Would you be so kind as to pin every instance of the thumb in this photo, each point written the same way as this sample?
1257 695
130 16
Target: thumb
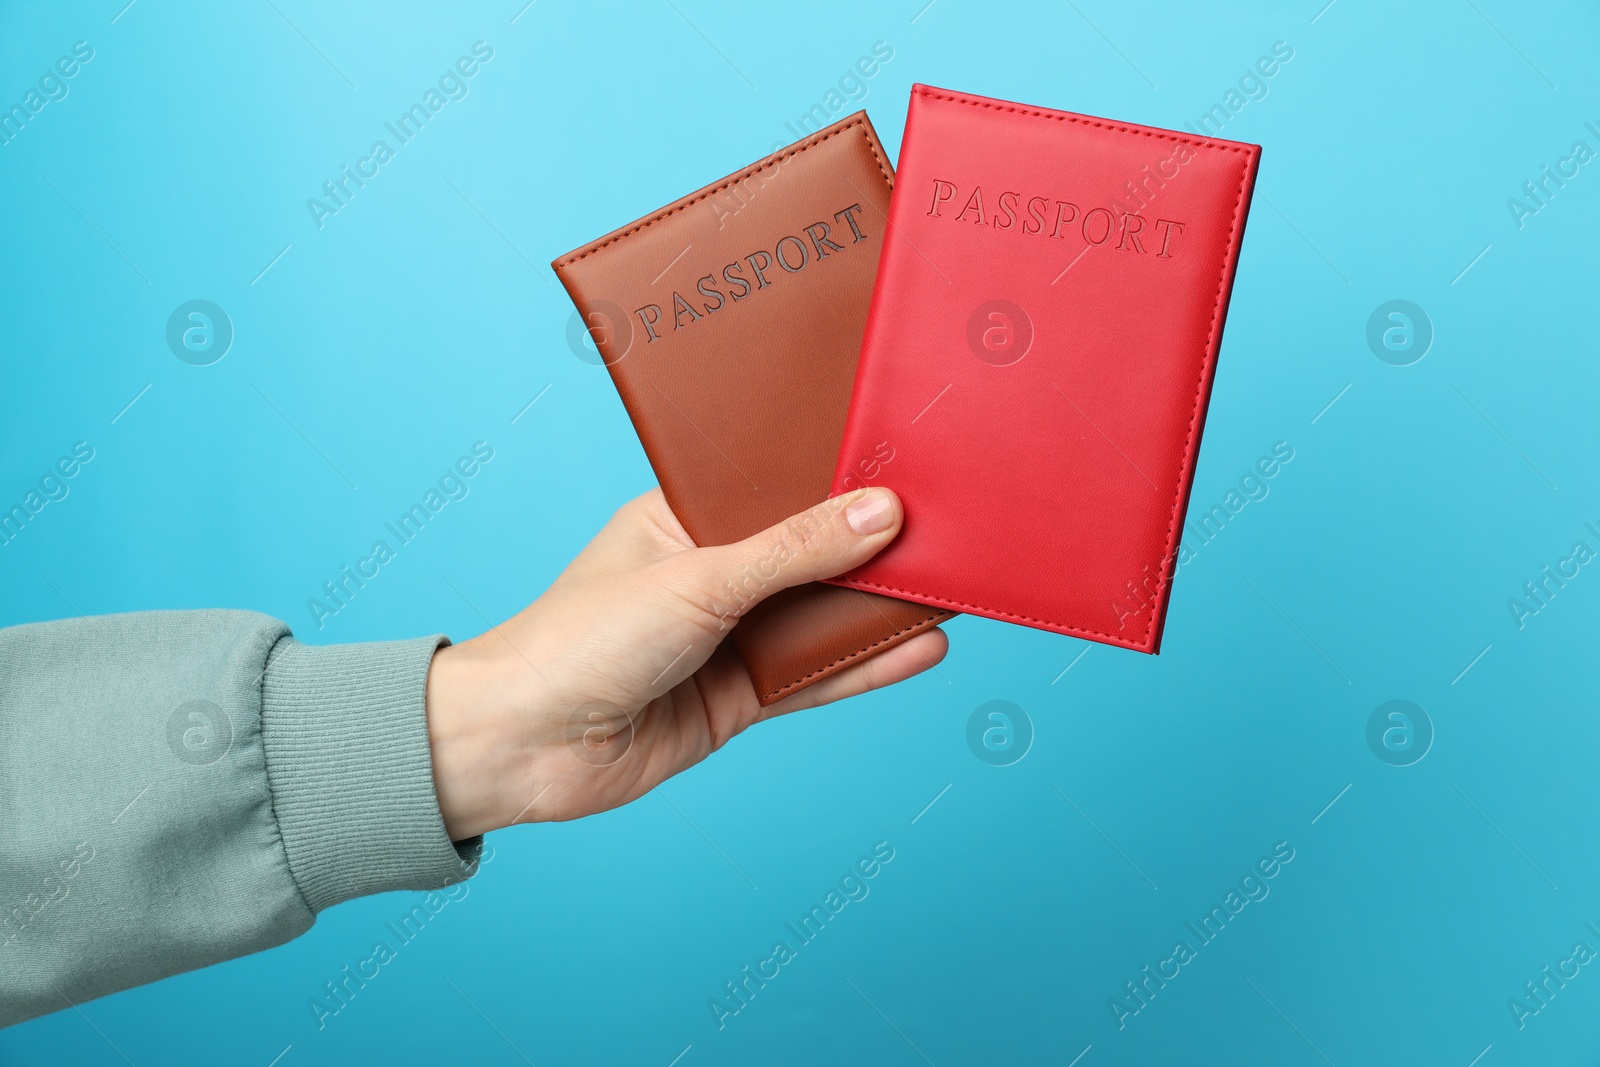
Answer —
835 536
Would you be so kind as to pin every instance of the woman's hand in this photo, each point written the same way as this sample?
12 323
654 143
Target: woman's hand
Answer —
618 677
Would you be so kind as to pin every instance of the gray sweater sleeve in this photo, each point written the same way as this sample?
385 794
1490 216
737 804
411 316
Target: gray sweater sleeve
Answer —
179 788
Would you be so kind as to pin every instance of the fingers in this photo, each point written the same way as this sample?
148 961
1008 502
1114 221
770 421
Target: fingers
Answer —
833 537
920 653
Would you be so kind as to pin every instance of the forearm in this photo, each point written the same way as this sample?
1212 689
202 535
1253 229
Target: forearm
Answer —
180 788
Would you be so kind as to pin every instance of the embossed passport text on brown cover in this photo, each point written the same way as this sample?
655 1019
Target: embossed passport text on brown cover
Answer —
731 322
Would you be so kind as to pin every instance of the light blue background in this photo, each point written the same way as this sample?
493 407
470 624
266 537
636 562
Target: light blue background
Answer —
423 317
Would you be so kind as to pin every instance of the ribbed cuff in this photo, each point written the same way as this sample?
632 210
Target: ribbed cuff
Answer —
346 736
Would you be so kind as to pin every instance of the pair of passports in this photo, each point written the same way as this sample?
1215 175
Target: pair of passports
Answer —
1017 333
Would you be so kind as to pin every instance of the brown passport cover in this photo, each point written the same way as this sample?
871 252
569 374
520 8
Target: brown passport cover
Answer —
731 322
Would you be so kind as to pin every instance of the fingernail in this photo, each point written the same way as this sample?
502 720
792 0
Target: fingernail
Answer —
870 514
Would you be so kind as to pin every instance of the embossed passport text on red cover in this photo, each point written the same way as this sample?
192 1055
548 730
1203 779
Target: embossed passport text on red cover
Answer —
1038 359
731 323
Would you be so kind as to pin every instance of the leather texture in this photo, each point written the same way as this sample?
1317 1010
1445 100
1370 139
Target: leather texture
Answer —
1038 360
731 322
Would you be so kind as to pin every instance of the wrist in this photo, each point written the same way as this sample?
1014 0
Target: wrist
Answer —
474 742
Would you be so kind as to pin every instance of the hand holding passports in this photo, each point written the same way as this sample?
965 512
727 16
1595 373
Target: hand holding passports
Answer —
731 322
1036 315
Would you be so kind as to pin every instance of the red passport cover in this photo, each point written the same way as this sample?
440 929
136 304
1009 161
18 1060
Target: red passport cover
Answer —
1038 358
